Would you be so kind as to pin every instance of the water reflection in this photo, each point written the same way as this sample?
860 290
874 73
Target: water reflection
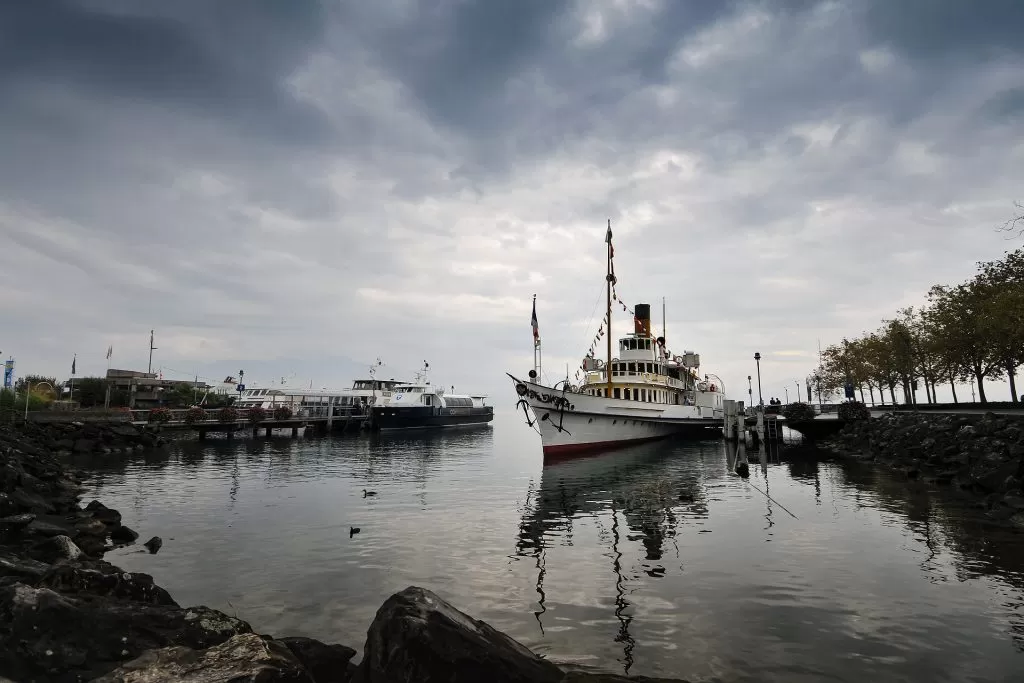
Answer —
659 560
646 498
613 490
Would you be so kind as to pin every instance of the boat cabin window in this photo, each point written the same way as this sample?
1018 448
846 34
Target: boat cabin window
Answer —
618 393
426 400
632 368
458 402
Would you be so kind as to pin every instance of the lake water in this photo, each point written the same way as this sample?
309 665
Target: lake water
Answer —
656 560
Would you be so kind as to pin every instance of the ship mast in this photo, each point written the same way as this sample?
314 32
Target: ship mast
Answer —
610 278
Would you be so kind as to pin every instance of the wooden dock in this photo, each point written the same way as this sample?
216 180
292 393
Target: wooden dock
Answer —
765 426
213 421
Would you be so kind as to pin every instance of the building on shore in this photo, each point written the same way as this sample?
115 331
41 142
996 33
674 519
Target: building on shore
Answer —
150 390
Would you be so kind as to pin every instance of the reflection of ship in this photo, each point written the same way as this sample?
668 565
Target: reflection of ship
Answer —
631 488
642 394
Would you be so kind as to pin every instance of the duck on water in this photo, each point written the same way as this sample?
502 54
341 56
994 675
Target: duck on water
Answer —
419 405
642 394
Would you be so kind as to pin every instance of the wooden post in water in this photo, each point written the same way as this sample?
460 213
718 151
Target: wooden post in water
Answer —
726 421
295 432
741 422
268 431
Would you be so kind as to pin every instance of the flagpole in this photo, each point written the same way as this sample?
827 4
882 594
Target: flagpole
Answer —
71 398
608 278
106 395
538 353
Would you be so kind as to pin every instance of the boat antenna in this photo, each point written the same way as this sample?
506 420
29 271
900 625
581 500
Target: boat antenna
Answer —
664 330
610 279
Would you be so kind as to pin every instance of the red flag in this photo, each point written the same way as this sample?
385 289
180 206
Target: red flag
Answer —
533 322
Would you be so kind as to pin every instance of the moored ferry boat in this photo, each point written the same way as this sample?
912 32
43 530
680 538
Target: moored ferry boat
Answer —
641 394
419 405
358 399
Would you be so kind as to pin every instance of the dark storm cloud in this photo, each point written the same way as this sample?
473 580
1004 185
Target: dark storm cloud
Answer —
934 31
224 60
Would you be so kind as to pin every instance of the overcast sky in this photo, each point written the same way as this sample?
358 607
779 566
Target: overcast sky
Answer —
300 187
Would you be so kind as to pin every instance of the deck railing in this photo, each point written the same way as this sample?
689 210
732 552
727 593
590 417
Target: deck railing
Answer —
212 416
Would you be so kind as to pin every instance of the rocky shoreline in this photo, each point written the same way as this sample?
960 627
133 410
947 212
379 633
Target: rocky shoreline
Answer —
67 615
979 456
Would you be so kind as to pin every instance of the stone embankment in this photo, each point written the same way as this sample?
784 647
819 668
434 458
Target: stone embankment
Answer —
68 615
979 455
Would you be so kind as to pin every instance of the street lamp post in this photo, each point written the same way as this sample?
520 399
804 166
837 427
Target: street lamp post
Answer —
760 398
750 391
797 389
787 395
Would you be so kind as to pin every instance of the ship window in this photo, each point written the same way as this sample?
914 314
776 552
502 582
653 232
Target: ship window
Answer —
632 368
643 395
618 393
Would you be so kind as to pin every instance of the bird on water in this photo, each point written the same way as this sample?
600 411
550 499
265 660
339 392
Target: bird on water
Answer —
368 493
352 531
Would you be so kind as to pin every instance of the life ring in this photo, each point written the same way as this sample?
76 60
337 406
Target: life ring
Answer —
712 388
678 360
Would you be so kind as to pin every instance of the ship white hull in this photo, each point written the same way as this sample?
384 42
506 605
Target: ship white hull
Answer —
572 423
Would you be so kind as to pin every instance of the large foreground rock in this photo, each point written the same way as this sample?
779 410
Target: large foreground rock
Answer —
46 635
583 677
417 636
325 663
245 658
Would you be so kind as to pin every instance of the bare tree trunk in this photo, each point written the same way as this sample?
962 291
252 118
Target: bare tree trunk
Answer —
861 387
952 383
871 392
892 394
981 383
1010 369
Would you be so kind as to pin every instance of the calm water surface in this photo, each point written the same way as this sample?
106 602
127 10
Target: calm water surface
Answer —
656 560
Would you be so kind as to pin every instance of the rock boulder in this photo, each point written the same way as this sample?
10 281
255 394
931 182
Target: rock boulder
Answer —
245 658
325 663
44 633
417 636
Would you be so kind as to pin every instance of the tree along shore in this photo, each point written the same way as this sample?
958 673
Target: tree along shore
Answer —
970 332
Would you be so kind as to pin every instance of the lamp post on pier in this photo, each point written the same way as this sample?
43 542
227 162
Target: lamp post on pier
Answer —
760 398
787 395
750 392
797 383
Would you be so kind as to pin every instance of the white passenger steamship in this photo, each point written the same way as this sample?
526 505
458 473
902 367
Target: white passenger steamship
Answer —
641 394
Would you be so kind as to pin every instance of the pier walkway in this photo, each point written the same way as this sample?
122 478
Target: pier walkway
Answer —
184 419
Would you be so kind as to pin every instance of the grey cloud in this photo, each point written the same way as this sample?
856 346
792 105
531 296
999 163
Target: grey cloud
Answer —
282 180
